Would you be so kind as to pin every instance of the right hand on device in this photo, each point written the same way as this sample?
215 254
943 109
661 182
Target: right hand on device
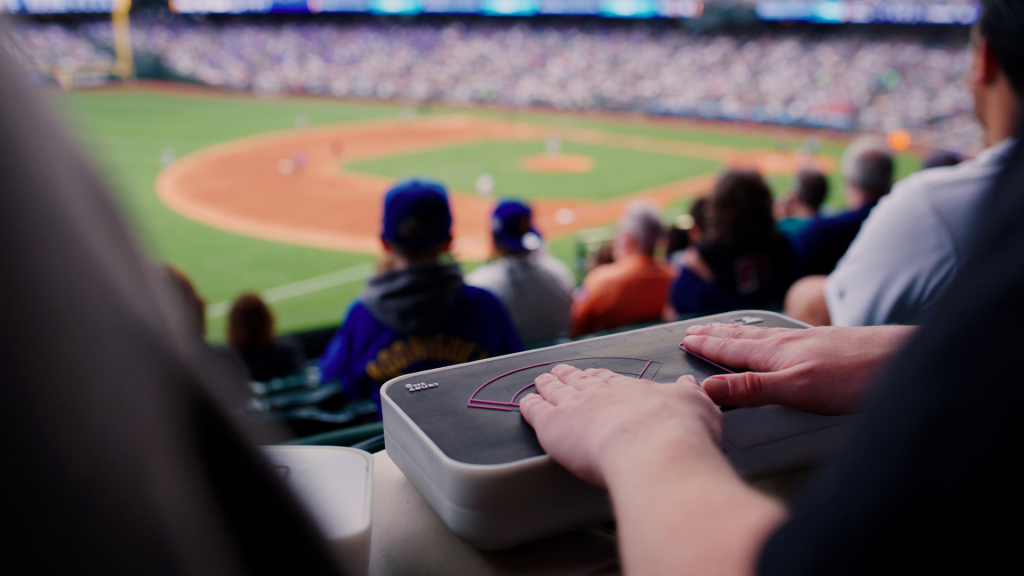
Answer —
821 370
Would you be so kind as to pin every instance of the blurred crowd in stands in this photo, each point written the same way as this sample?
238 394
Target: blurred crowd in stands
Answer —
52 49
869 2
874 80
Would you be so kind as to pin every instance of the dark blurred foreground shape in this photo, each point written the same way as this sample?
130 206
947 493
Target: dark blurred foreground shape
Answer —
927 482
117 456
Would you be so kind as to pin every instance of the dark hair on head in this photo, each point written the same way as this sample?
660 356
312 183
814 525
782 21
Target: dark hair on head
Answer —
941 159
741 211
699 212
1002 26
676 239
418 250
250 324
873 172
811 188
189 297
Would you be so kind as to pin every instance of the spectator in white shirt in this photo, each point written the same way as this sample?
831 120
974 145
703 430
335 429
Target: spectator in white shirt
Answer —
535 287
915 241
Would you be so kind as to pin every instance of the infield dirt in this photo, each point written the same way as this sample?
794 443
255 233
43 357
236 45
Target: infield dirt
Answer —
292 187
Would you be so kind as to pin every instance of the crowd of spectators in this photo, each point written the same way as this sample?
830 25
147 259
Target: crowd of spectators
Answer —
844 78
55 50
866 2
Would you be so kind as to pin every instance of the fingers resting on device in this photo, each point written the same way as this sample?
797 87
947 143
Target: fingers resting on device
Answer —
591 421
823 370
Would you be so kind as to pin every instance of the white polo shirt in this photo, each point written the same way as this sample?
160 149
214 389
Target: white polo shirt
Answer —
912 245
536 289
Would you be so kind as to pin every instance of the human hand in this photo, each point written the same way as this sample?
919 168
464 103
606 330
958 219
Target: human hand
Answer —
821 370
596 422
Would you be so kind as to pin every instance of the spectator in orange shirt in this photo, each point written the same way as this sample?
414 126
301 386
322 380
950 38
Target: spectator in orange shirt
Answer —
633 288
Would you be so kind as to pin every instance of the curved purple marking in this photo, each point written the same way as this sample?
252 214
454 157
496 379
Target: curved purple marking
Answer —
475 401
488 407
641 376
713 363
521 390
484 385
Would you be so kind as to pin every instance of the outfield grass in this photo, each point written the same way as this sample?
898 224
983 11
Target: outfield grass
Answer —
617 171
126 132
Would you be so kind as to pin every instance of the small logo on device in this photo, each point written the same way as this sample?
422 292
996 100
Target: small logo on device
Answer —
748 320
420 386
744 321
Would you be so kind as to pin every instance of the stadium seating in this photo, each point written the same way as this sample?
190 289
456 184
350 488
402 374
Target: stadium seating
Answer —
843 78
52 50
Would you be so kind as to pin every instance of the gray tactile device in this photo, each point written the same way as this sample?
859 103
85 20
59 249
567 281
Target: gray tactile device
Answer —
457 434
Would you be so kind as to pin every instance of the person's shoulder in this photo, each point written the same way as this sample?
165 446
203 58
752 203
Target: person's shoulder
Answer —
910 196
480 305
600 275
793 225
950 194
607 273
359 317
487 276
556 268
476 296
822 224
972 176
357 307
549 261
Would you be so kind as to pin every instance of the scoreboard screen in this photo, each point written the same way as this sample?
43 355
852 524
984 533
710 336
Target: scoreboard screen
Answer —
941 12
606 8
57 6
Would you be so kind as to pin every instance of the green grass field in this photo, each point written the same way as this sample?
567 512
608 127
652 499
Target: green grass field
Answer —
615 169
126 132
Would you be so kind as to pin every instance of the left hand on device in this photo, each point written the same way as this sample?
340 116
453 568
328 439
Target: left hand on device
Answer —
596 422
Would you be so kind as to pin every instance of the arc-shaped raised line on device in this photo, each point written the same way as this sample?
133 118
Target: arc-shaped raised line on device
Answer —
507 406
472 397
641 376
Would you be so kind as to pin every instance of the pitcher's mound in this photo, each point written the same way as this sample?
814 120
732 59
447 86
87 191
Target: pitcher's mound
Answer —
557 164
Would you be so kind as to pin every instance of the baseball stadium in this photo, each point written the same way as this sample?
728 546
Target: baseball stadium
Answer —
392 236
295 212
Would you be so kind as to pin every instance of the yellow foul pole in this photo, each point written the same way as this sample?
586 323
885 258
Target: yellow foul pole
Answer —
125 65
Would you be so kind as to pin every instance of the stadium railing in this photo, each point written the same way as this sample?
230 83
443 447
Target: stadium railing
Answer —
349 437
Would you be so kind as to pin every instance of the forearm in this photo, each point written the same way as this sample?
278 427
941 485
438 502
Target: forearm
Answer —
876 349
688 516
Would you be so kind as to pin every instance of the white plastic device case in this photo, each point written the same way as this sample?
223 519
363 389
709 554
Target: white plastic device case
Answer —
515 500
335 485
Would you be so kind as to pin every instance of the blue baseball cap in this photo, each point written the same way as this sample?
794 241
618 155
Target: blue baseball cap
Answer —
416 213
512 227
